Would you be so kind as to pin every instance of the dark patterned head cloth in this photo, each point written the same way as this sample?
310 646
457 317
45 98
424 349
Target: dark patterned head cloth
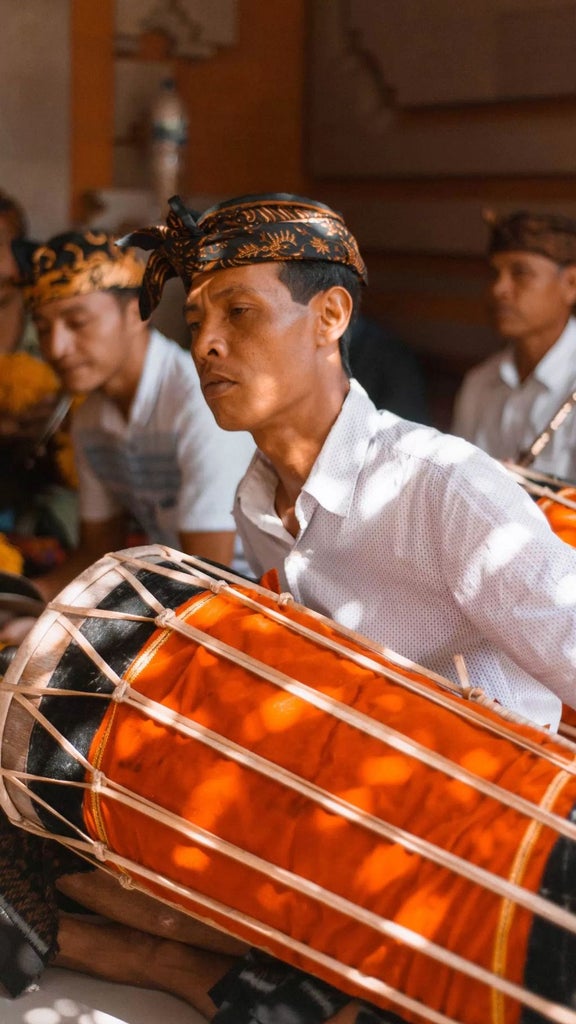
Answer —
550 235
251 229
74 263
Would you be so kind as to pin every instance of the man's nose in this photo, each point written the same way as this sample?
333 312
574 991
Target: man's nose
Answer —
207 340
499 285
56 342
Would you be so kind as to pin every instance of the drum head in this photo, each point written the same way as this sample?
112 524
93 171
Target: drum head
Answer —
50 657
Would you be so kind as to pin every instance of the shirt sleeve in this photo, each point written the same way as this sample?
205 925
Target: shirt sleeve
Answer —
509 573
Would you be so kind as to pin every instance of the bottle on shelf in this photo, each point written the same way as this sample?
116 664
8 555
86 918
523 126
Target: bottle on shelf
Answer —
168 138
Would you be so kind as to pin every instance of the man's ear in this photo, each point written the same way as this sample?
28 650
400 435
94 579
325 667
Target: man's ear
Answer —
569 274
334 311
132 312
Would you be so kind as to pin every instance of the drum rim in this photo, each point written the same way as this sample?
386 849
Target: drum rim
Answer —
70 595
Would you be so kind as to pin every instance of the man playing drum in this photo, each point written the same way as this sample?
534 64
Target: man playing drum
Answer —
419 541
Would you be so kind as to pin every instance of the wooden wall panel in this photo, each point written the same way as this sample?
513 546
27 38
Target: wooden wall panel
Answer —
249 110
246 105
92 99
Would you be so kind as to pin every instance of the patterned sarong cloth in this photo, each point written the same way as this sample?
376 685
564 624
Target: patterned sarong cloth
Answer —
261 989
29 867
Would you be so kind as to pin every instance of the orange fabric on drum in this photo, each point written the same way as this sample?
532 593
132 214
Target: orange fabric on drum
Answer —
261 816
563 521
561 518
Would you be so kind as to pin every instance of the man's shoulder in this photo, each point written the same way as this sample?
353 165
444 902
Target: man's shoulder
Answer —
486 371
423 453
168 349
172 363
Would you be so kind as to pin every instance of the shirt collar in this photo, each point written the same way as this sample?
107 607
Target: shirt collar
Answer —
332 479
559 362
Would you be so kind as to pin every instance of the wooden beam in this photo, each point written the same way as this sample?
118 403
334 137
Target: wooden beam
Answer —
91 100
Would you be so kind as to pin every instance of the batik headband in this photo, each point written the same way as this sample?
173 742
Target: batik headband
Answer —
251 229
74 263
550 235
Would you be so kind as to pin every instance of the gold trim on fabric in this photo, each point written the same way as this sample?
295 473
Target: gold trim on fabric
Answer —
98 755
508 908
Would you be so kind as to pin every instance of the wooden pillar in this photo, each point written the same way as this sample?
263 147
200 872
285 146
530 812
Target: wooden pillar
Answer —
91 99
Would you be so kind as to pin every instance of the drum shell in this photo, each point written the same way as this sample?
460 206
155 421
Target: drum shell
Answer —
253 828
562 519
261 817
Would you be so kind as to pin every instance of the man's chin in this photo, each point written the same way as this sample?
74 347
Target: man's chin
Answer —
79 386
230 423
508 328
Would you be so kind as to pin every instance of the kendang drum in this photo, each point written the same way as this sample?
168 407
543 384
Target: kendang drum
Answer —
557 500
216 745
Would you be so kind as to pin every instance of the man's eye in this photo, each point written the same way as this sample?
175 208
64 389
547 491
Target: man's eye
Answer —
193 327
238 310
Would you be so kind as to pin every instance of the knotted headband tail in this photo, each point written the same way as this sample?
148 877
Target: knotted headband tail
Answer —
250 229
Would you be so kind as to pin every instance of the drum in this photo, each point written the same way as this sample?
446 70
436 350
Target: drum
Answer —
249 761
557 499
560 511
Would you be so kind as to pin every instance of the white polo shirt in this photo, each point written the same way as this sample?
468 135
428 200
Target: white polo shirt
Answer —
423 543
169 465
504 415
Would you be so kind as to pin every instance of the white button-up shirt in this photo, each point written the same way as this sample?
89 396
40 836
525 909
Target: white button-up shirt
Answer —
423 543
168 464
504 415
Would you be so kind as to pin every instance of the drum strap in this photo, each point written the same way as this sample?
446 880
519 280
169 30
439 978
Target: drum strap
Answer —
527 457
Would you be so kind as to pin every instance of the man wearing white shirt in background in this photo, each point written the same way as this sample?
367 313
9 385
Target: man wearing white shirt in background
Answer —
147 449
506 402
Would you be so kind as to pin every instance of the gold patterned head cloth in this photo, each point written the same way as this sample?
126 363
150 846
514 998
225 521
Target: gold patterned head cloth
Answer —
251 229
550 235
74 263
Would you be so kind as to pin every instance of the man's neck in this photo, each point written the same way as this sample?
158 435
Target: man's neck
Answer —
529 351
293 450
121 389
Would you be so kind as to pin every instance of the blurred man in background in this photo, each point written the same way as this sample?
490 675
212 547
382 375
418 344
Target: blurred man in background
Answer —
508 401
149 455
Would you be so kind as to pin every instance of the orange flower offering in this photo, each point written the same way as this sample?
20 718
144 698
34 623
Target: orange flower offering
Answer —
24 380
10 558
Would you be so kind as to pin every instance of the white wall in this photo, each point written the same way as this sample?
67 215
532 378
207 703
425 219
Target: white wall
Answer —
34 109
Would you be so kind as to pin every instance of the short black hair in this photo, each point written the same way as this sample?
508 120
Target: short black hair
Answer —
306 278
123 295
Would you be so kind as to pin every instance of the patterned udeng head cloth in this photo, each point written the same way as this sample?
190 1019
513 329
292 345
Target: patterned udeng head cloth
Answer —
548 235
251 229
74 263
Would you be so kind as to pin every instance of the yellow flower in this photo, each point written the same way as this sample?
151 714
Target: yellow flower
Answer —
24 380
10 558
